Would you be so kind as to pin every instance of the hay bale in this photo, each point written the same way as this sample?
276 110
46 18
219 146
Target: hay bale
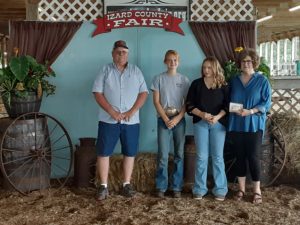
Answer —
144 171
290 126
115 178
143 176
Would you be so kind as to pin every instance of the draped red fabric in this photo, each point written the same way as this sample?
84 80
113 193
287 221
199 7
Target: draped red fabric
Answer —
41 40
219 39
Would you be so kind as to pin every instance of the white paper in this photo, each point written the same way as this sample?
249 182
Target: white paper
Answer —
235 107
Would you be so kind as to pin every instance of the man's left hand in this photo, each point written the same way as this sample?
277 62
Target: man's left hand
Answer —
127 115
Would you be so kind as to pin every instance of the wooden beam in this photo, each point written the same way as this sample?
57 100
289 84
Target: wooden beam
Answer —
35 2
32 9
4 27
12 4
258 2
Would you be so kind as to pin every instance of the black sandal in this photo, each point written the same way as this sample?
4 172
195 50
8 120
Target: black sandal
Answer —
239 195
257 199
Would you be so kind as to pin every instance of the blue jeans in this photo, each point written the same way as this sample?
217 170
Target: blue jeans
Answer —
164 138
209 140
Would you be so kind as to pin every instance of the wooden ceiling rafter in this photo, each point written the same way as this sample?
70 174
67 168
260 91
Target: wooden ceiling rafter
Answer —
284 24
12 9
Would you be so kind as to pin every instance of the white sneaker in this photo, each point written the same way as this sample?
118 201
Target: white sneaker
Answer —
220 198
197 196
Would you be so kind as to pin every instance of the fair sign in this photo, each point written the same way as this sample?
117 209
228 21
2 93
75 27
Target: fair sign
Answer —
137 18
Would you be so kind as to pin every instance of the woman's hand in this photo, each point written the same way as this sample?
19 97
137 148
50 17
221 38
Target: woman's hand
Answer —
173 122
244 112
214 119
217 117
207 116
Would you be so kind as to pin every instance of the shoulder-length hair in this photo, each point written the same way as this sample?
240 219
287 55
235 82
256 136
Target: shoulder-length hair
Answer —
252 54
218 72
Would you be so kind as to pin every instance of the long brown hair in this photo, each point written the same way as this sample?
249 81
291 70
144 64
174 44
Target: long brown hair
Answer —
218 72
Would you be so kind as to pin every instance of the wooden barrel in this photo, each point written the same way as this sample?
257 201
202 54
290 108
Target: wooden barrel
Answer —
19 106
189 159
28 166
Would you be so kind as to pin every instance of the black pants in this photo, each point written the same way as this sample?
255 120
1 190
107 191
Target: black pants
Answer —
247 147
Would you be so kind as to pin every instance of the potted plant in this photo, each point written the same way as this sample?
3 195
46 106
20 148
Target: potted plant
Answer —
230 70
22 83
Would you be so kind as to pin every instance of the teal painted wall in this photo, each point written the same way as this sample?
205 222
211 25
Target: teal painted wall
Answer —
78 65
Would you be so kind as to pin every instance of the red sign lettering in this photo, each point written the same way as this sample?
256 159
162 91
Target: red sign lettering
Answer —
137 18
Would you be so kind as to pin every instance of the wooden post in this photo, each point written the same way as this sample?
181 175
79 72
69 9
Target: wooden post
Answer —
32 9
3 49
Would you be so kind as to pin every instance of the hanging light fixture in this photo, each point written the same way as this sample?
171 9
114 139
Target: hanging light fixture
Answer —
264 19
294 8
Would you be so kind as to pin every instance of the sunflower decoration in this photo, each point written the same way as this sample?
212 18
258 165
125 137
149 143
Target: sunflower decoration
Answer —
238 49
230 68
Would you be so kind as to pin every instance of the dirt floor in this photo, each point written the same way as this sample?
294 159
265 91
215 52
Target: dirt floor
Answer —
77 206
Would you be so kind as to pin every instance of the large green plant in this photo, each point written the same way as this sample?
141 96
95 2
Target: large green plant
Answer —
22 75
264 68
230 70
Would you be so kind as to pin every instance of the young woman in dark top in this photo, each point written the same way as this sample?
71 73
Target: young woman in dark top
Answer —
207 102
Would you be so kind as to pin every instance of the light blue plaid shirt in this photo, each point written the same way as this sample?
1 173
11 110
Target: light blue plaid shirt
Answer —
120 90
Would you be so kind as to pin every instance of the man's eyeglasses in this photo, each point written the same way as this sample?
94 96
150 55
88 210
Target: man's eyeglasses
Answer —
247 61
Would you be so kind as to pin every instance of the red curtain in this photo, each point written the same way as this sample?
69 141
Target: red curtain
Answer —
219 39
42 40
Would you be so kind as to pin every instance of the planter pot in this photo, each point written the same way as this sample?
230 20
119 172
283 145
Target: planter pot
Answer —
19 106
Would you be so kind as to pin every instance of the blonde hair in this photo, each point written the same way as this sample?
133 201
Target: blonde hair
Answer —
171 52
218 72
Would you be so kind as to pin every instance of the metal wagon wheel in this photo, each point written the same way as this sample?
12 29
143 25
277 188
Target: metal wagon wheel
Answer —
36 153
280 155
275 161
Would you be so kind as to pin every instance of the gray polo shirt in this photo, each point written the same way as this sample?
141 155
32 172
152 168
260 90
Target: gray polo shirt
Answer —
172 89
120 90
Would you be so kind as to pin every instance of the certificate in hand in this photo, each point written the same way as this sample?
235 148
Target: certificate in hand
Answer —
235 107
